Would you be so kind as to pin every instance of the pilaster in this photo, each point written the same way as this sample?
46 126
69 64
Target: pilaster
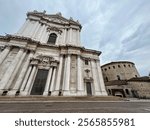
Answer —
35 29
70 35
26 78
101 81
58 78
95 77
78 37
52 87
4 54
21 77
67 78
30 81
64 38
43 33
46 91
13 76
80 85
10 70
21 31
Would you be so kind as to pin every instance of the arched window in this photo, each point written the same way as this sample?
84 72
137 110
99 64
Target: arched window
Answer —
118 77
52 38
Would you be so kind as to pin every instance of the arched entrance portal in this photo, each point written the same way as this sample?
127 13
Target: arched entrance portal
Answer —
118 94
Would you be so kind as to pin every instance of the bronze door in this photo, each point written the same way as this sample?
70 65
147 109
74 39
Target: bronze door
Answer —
39 83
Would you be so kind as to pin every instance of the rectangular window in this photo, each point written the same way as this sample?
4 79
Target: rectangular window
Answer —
86 62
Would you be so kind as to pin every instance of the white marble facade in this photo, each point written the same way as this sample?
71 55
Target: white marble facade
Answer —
69 68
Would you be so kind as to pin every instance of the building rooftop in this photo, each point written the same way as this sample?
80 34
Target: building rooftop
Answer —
116 62
116 82
140 79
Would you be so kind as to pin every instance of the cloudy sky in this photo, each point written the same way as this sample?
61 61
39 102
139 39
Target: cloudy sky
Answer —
118 28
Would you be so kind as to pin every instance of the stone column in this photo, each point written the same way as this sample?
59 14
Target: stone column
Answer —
25 79
64 38
30 81
95 78
13 76
101 80
58 79
53 80
79 76
4 54
21 75
67 78
46 91
10 70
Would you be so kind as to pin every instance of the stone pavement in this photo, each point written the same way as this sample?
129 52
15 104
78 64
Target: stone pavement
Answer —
73 105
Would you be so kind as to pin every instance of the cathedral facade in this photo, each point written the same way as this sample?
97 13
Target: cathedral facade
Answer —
45 57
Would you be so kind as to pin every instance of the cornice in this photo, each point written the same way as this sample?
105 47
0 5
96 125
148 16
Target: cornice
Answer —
31 41
9 37
118 62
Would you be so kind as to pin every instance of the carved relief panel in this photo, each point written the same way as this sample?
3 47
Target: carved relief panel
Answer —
73 73
42 60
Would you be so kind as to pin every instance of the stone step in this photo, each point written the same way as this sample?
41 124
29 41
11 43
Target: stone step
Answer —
41 98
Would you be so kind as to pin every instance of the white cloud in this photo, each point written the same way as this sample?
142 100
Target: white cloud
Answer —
118 28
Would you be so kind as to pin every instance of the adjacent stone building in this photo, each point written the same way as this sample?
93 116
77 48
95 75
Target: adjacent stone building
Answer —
122 79
45 57
141 86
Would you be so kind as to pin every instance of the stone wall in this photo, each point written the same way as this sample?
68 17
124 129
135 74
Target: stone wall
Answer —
142 88
119 71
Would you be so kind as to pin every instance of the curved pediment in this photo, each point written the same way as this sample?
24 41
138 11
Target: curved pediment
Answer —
55 18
